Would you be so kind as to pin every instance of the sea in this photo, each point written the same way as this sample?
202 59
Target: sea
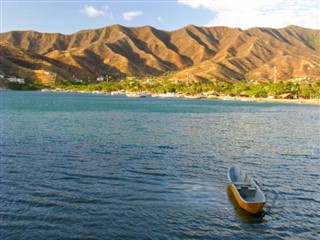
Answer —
89 166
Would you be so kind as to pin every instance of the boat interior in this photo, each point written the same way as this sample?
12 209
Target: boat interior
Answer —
245 186
246 190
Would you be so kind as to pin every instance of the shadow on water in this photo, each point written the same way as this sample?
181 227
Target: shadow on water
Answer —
242 214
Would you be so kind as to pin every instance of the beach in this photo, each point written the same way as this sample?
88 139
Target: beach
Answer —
277 100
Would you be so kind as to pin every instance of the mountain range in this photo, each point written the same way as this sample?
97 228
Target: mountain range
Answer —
192 52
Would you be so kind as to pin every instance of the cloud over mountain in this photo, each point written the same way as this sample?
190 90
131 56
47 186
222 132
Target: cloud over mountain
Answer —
131 15
246 14
91 11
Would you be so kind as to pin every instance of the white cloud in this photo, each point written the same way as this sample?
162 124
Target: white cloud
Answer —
159 19
264 13
130 15
107 12
93 12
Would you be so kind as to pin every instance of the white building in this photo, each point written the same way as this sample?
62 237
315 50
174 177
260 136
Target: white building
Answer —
100 79
77 80
16 80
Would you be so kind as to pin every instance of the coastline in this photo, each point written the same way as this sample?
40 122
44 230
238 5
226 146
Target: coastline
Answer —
201 96
276 100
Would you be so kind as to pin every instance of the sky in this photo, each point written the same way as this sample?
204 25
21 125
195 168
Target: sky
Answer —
69 16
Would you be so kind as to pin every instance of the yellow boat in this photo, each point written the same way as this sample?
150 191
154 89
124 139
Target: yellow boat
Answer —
246 192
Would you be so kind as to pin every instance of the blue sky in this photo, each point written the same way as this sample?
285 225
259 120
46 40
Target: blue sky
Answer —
70 16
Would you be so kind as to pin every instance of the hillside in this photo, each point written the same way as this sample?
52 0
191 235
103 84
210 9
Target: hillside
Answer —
202 53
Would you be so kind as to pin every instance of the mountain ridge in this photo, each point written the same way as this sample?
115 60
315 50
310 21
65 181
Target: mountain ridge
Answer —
201 53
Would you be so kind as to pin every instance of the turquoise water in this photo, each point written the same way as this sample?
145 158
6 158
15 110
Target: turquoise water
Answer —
79 166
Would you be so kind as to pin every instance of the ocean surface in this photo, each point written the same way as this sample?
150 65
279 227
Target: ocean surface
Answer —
85 166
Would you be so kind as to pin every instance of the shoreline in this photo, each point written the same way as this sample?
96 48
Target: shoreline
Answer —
275 100
222 98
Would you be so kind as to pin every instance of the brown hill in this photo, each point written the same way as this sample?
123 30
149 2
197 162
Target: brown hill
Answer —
212 53
15 61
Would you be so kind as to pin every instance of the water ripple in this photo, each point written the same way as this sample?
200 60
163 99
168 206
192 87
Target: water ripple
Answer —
91 166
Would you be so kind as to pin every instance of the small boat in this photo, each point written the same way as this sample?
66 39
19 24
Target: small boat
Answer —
167 95
246 192
192 97
114 93
228 98
135 95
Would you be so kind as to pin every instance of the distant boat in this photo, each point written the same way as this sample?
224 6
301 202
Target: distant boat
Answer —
135 95
211 96
192 97
246 191
228 98
167 95
118 93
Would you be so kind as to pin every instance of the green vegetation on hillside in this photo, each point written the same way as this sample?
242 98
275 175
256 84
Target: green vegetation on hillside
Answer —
306 89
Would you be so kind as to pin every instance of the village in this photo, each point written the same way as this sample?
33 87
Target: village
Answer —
300 90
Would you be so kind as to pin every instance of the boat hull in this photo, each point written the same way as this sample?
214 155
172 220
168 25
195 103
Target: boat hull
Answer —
135 95
253 208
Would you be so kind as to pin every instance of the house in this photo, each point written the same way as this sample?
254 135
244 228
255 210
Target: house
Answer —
77 80
15 80
243 94
285 96
100 79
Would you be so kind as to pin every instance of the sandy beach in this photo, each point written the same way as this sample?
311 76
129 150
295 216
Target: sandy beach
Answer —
274 100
